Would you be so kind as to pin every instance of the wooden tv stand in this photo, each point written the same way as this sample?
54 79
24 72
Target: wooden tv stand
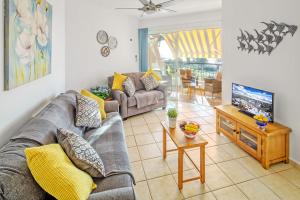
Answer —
269 146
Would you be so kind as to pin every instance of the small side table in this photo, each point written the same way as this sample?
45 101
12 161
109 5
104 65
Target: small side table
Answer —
182 143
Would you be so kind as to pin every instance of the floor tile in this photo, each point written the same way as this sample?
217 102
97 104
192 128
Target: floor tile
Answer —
280 186
172 161
170 145
218 154
127 123
151 119
235 171
229 193
155 127
292 175
130 141
255 190
209 140
219 138
233 150
194 187
149 151
142 191
155 167
280 167
143 129
195 156
215 178
203 113
137 121
210 119
128 131
206 196
158 136
164 188
138 171
143 139
253 166
191 115
133 154
208 128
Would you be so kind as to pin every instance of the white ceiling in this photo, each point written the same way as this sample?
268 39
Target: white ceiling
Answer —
182 6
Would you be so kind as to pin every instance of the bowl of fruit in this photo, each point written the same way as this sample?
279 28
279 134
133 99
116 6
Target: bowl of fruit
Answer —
189 128
261 121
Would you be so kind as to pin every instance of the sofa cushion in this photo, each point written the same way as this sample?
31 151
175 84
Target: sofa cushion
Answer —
129 87
81 153
150 82
135 77
87 112
56 173
132 100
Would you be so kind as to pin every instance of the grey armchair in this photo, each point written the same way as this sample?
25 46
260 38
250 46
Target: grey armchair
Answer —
130 106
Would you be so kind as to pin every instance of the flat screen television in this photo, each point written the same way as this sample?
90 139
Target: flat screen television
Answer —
253 101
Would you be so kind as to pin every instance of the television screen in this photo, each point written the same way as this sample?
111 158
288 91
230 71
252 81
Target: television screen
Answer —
253 101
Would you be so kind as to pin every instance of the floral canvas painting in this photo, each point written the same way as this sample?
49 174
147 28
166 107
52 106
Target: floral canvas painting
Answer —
28 41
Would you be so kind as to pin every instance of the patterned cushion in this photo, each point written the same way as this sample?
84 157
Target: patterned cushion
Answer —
150 82
129 87
81 153
87 112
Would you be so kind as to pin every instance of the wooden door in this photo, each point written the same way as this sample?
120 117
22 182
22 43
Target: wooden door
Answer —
249 140
227 126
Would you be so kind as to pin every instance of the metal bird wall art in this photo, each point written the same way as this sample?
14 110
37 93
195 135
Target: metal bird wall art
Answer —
265 41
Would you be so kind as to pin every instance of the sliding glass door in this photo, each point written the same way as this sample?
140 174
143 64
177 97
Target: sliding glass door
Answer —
185 58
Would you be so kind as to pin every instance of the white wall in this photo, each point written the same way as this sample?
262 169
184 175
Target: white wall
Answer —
279 72
18 105
182 22
85 66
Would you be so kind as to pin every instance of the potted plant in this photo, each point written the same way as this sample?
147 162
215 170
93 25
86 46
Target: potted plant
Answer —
172 114
103 92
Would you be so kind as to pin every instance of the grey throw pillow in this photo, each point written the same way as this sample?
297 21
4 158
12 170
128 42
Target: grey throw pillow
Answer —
87 112
82 154
129 87
150 82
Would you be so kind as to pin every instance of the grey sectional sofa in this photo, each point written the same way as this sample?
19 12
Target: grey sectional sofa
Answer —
142 101
16 181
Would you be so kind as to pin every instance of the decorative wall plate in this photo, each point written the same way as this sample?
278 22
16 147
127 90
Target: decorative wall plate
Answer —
105 51
112 42
102 37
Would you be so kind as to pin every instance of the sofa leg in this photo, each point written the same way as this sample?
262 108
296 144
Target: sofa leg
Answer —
124 119
164 108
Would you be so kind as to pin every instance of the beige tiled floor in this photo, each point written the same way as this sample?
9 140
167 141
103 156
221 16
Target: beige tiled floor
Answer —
231 174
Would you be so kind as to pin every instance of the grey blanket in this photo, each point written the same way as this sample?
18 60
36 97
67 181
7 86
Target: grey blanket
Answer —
144 98
109 142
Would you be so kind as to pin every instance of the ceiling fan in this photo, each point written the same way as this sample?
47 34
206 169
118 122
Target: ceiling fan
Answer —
150 8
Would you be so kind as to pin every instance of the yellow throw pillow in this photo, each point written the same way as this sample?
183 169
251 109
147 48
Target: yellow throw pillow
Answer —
118 81
100 101
150 71
56 174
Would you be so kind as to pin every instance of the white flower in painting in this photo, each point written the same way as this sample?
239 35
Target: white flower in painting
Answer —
25 47
41 27
23 11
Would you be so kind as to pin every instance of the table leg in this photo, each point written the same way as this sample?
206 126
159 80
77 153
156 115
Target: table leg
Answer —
202 164
180 168
164 143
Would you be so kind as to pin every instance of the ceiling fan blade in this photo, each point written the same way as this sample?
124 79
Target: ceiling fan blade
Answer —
167 3
168 10
144 2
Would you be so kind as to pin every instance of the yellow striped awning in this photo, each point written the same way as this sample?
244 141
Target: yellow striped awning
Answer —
201 43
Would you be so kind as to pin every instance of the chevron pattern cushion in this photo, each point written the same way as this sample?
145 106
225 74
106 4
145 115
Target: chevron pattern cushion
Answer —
82 154
129 87
87 112
150 82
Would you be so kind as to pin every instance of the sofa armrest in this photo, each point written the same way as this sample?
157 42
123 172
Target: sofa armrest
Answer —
121 97
163 89
126 193
111 106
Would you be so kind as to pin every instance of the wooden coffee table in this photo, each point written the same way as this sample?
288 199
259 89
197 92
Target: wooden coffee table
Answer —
182 143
